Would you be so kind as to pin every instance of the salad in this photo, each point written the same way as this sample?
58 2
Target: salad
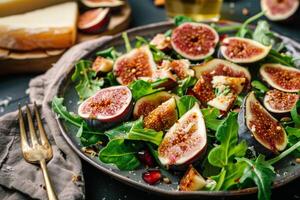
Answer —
215 104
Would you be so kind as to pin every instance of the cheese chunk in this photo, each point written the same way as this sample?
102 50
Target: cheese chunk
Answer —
12 7
47 28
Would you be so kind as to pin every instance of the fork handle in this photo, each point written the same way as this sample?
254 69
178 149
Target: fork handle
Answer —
50 191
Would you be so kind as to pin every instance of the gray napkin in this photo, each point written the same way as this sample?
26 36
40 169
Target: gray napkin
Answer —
21 180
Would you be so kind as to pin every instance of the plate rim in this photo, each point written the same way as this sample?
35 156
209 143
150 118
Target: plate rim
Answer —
144 186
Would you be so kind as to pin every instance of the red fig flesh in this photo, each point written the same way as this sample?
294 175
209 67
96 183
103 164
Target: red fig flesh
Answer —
94 21
242 50
277 10
136 64
280 102
194 41
111 104
281 77
185 141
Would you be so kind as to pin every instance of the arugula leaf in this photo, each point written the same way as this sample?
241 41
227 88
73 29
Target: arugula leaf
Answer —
262 173
179 19
225 28
281 58
119 131
227 135
111 79
185 103
111 53
234 172
140 41
120 153
293 137
211 116
219 179
140 88
295 115
259 86
127 42
168 33
244 30
158 55
184 85
85 77
62 112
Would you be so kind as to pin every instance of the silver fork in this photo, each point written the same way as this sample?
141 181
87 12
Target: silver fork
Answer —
38 151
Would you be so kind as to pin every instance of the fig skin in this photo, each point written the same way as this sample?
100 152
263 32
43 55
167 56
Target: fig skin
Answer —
246 134
203 39
146 104
271 95
169 155
240 53
94 109
286 76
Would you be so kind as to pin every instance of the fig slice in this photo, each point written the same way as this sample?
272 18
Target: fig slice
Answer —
146 104
281 77
192 180
179 67
277 101
108 105
242 50
94 21
194 41
162 117
102 3
278 10
185 141
134 65
102 64
266 130
205 72
161 42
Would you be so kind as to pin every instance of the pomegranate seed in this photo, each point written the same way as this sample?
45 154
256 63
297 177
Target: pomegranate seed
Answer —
152 176
146 158
222 37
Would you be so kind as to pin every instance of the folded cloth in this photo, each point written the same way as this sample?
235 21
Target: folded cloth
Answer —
21 180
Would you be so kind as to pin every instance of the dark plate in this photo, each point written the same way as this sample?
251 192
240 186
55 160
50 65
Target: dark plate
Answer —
286 169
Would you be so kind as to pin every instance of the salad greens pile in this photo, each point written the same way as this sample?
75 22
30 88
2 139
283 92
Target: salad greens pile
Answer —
228 156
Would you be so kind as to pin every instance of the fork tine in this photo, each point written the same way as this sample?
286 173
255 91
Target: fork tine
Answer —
43 135
24 143
33 137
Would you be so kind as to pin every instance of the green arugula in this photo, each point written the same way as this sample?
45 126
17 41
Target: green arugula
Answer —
293 137
120 153
184 85
185 103
168 33
127 42
244 30
259 88
295 115
85 78
140 88
234 171
261 172
211 118
140 41
110 79
281 58
179 19
111 53
227 135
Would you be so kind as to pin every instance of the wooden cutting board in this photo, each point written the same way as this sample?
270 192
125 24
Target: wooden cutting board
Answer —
39 61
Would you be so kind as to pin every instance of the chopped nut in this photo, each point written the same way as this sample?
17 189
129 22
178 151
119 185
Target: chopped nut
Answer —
298 160
166 180
245 11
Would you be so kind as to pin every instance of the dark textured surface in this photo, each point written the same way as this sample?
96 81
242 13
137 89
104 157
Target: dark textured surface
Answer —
101 186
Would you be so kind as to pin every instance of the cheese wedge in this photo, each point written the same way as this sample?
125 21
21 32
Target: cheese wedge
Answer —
12 7
47 28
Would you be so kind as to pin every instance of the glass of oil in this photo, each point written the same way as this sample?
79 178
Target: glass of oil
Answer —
199 10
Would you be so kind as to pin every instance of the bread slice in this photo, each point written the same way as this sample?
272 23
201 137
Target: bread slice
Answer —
47 28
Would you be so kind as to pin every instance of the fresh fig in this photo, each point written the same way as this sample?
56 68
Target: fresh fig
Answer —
192 180
161 42
179 67
108 107
162 117
242 50
102 64
102 3
94 21
277 101
136 64
265 132
146 104
185 141
194 41
279 10
205 72
280 77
